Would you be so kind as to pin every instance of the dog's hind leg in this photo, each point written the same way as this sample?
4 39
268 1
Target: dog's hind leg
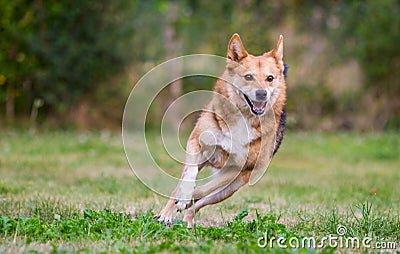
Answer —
221 179
217 197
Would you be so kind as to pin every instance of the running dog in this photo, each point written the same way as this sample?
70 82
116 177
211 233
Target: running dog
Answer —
238 133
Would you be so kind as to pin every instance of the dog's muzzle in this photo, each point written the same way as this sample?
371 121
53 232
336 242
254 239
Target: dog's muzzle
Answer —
257 107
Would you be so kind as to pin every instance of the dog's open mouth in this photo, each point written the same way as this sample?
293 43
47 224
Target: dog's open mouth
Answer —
256 107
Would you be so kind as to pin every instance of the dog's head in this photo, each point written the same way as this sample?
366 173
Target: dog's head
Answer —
255 78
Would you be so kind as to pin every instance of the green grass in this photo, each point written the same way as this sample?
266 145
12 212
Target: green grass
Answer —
69 192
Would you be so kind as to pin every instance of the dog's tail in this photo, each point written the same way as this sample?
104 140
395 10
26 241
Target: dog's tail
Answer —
285 69
282 122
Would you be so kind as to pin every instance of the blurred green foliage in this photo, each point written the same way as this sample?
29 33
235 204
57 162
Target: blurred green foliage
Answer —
59 50
371 33
55 54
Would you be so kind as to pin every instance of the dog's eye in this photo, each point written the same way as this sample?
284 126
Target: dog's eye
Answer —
248 77
270 78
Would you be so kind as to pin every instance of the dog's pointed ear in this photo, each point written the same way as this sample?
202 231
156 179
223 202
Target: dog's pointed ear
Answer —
277 52
236 50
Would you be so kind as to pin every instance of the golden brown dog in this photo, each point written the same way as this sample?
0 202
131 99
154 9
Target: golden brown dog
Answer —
238 133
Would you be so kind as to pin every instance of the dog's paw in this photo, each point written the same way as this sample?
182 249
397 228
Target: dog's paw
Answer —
183 196
181 205
189 217
164 217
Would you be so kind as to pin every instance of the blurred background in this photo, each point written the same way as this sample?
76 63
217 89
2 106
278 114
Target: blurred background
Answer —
71 64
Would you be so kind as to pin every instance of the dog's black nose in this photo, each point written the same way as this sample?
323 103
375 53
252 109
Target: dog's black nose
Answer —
261 94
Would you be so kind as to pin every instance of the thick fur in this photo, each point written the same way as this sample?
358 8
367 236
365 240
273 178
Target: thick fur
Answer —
238 133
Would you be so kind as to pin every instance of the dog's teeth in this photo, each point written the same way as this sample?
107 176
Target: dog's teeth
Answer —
258 105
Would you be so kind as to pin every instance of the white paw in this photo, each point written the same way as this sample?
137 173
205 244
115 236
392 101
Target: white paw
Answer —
165 217
183 196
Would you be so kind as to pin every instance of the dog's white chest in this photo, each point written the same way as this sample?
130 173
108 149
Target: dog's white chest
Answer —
237 137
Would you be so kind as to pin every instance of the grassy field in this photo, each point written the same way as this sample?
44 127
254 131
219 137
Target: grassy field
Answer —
75 192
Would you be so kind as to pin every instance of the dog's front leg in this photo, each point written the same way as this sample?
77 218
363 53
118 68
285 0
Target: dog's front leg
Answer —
182 195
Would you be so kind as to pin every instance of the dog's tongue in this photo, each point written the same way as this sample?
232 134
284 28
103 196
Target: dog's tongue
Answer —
259 105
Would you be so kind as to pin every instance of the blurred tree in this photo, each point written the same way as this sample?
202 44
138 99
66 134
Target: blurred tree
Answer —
79 44
172 50
54 54
367 31
370 32
17 62
59 50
